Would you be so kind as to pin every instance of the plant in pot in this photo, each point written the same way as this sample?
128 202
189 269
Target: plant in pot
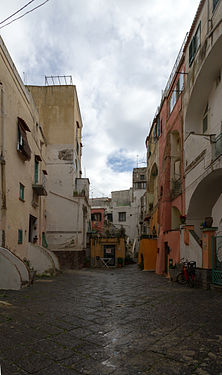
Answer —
119 262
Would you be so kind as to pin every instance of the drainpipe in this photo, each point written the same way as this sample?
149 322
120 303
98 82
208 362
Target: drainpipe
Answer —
2 165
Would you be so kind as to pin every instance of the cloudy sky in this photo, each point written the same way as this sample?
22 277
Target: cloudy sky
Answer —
120 54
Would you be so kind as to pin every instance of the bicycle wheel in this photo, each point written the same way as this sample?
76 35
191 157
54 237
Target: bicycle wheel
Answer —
181 279
191 281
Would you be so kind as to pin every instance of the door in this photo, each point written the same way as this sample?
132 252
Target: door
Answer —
166 252
32 228
109 252
217 260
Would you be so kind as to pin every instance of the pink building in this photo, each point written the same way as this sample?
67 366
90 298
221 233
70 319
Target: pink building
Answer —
97 219
171 207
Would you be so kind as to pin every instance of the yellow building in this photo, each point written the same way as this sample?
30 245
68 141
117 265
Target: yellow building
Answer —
110 251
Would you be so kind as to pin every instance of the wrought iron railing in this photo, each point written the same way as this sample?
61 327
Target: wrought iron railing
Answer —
218 145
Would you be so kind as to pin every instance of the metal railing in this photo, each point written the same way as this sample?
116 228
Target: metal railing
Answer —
174 70
218 145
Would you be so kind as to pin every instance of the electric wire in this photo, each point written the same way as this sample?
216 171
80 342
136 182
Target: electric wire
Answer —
24 14
19 10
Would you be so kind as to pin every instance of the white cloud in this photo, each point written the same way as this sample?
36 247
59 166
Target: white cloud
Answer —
120 54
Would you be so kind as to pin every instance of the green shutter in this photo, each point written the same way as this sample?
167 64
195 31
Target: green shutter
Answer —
20 236
36 177
21 191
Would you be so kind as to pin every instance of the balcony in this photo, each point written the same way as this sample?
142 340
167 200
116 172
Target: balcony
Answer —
39 189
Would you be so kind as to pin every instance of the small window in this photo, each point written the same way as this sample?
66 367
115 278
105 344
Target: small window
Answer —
142 177
21 192
205 120
36 176
161 126
22 141
122 216
194 45
215 2
20 235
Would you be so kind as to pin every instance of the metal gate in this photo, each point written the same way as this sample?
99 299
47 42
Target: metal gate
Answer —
217 261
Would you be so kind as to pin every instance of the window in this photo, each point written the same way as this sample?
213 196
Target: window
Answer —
21 192
36 176
161 126
215 2
205 119
96 216
122 216
20 235
139 185
194 45
176 93
22 141
142 177
149 149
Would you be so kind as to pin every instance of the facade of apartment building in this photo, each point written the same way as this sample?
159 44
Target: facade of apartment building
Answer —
184 151
152 146
23 177
67 205
171 177
123 210
202 127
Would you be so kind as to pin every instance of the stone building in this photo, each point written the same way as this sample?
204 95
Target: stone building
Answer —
67 204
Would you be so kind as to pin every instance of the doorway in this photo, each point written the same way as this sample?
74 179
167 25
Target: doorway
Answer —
109 252
166 253
32 229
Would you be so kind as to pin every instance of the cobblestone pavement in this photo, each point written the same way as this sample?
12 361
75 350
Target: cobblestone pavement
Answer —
118 322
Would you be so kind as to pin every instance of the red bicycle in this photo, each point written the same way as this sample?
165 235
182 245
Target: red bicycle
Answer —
187 276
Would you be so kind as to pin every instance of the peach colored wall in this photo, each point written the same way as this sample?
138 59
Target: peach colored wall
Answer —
173 240
170 123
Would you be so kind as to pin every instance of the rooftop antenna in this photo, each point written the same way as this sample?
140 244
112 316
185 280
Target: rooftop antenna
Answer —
137 161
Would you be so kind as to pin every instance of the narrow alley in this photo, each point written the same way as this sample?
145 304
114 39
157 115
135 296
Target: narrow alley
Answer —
119 321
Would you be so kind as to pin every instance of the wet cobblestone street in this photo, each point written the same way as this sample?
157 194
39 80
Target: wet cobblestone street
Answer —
118 322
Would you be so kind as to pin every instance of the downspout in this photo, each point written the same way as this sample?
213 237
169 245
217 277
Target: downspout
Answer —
2 163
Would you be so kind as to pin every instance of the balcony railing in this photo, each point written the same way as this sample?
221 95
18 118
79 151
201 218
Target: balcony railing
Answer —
218 145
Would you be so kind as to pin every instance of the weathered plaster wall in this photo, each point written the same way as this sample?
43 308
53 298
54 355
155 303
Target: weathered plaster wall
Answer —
17 102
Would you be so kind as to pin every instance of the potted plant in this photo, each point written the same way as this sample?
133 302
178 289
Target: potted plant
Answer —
119 262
